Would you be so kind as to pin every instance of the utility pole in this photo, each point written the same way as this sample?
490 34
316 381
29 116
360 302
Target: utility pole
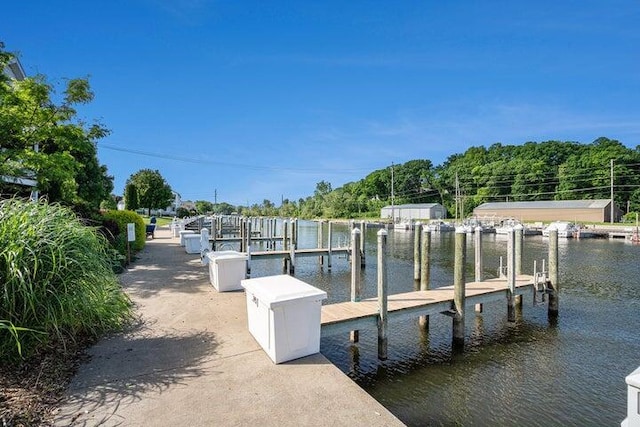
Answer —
611 219
215 196
457 195
393 214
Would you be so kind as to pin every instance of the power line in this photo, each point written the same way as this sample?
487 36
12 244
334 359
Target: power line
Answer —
235 165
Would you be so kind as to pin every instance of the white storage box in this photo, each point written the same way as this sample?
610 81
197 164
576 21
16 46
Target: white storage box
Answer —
192 243
633 400
184 233
175 229
284 316
227 269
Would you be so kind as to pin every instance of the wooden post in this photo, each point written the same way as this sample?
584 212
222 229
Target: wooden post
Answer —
356 291
382 295
320 227
459 293
248 247
273 233
363 235
416 255
285 234
519 236
214 234
425 270
285 246
248 234
511 276
553 274
329 237
292 260
478 261
294 233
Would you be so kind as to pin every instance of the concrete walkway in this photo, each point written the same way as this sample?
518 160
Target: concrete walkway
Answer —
190 360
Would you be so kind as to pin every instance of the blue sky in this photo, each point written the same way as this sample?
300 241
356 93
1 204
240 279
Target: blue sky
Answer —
263 99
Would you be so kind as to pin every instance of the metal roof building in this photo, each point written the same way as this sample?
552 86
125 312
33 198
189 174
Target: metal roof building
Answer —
596 210
411 212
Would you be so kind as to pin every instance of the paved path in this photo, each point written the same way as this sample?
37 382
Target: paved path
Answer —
191 361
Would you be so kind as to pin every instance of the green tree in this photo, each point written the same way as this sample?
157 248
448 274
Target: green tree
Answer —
110 203
203 206
43 140
223 208
153 191
131 202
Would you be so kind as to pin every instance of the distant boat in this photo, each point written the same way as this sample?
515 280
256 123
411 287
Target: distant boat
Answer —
441 226
465 228
403 226
507 224
565 229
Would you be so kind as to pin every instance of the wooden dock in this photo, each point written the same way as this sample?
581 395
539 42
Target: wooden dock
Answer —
301 253
346 316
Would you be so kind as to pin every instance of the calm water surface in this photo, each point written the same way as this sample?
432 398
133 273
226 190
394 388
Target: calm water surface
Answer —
528 373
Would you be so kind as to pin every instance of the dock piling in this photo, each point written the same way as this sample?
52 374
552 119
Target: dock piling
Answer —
320 238
329 238
553 274
363 235
519 236
459 288
356 291
511 276
382 295
478 261
425 270
416 255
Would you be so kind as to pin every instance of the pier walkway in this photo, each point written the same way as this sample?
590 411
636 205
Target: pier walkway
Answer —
190 361
346 316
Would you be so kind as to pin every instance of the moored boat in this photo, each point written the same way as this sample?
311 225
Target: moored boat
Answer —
566 230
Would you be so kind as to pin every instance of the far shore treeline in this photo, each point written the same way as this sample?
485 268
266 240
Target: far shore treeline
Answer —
550 170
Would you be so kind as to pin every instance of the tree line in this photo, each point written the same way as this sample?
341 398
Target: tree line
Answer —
549 170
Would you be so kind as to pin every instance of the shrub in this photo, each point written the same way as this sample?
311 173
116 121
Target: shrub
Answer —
182 212
630 217
122 218
56 278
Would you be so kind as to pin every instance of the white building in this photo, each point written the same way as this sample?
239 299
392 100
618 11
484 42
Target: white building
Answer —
403 213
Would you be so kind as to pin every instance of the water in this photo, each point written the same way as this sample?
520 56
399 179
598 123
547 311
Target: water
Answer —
527 373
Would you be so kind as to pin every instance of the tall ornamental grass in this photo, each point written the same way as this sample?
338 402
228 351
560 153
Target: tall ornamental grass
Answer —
56 279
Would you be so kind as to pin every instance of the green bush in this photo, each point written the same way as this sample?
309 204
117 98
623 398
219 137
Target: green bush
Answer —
56 276
182 212
122 218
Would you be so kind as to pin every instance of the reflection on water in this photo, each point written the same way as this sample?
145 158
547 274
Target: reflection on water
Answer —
526 373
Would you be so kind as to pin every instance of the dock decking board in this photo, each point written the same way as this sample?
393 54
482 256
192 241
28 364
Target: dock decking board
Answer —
344 316
300 253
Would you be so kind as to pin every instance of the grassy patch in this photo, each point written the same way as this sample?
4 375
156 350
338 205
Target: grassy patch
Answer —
56 279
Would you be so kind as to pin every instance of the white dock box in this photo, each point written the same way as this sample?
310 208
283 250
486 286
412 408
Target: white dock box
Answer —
633 400
227 269
284 316
192 243
175 229
183 233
